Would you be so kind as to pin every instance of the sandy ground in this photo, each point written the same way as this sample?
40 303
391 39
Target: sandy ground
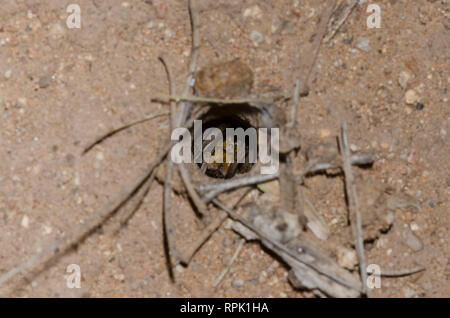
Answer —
60 88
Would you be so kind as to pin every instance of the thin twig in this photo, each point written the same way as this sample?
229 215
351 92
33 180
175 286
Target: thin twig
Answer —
353 203
214 189
195 99
196 199
169 241
230 263
146 186
195 25
338 19
356 160
295 104
173 105
119 129
402 272
218 188
173 255
312 57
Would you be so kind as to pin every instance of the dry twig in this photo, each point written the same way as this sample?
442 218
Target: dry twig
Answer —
119 129
338 19
353 203
230 263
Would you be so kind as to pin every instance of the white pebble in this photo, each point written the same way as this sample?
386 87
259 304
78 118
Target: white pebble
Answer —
411 97
254 12
363 44
25 222
8 74
100 156
256 37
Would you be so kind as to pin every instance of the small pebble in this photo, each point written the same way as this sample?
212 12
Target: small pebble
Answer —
256 37
254 12
45 81
179 268
8 74
412 240
346 258
100 156
25 222
363 44
22 102
238 283
411 97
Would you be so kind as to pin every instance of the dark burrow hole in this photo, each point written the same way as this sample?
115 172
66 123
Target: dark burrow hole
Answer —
233 118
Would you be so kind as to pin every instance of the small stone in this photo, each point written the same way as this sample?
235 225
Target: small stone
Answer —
25 222
22 102
238 283
8 74
256 37
254 12
411 97
346 258
324 133
420 106
100 156
45 81
412 240
353 147
363 44
404 79
179 268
